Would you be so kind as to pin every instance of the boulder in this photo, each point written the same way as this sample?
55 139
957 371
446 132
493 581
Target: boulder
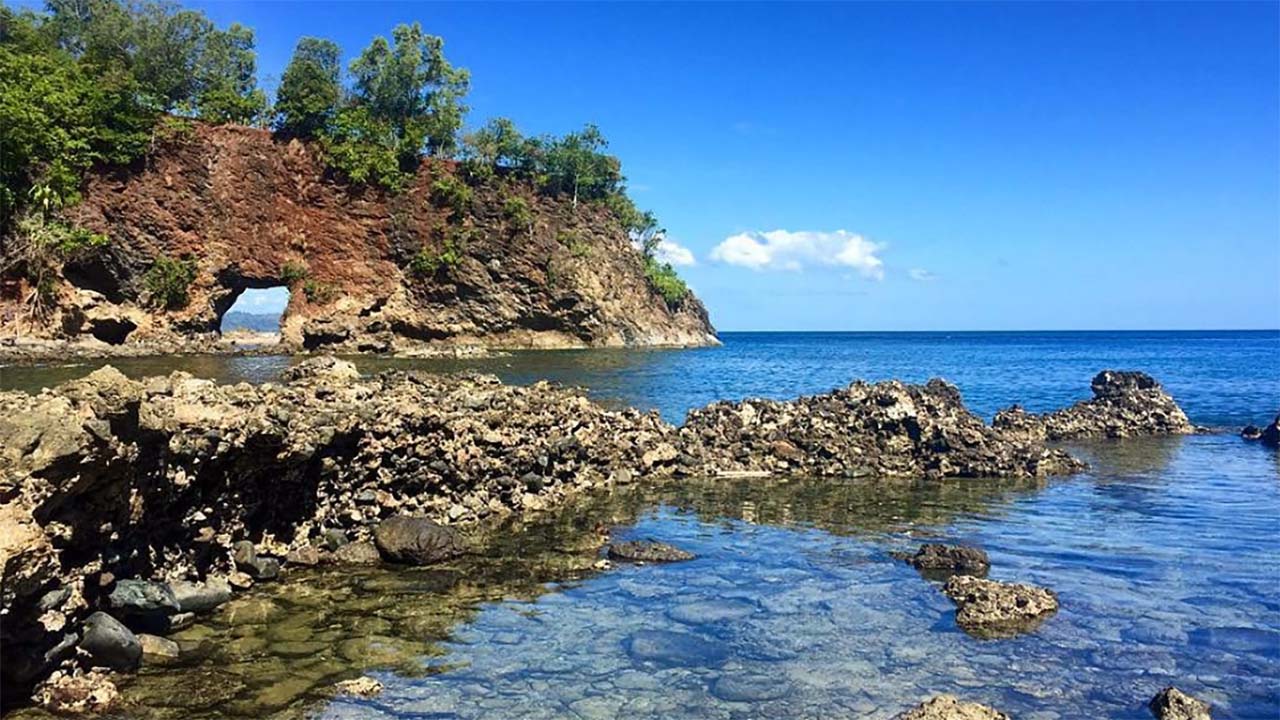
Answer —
942 561
332 539
416 540
325 367
1251 433
158 649
992 609
143 605
948 707
247 561
306 556
647 551
109 644
197 597
1173 704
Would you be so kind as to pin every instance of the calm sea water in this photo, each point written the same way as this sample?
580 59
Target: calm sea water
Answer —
1165 556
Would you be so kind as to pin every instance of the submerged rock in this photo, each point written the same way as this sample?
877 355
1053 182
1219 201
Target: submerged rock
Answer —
992 609
675 649
109 644
1124 404
158 649
360 687
942 561
705 612
416 541
1173 704
647 551
750 688
947 707
66 694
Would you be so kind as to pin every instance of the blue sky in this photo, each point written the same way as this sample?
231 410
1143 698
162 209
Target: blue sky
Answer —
903 166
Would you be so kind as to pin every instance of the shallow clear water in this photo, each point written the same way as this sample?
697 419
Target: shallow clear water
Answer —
1165 561
1222 378
1165 556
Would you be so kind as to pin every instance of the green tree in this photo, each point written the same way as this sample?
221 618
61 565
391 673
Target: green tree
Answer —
228 78
309 89
167 45
59 116
499 144
575 164
410 85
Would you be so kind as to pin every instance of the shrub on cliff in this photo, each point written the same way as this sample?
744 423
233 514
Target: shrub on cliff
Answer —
452 193
664 279
168 282
364 150
37 252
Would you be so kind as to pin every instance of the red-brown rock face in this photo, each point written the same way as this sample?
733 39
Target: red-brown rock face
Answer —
253 212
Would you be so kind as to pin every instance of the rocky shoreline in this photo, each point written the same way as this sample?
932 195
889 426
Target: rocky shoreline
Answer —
34 350
137 504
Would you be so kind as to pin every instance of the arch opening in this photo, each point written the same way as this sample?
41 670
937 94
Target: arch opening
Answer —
256 314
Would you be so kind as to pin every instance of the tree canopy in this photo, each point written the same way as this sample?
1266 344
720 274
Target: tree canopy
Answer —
310 89
86 81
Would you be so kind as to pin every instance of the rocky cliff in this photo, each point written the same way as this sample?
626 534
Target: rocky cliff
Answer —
442 262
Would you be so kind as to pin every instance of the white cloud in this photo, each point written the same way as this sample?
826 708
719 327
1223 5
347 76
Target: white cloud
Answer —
670 251
921 275
787 250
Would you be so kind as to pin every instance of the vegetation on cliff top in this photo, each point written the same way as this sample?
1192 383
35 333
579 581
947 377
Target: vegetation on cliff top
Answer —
88 82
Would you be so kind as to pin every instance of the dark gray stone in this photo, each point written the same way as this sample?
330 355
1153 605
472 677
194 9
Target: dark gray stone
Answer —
938 561
109 643
416 541
195 597
142 596
248 562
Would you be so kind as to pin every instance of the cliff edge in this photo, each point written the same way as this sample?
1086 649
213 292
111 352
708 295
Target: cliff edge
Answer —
215 210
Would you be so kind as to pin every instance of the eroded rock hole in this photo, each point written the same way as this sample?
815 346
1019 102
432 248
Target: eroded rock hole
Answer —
256 311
